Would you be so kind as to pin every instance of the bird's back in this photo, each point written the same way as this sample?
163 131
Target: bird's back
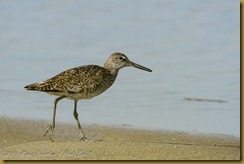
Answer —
82 82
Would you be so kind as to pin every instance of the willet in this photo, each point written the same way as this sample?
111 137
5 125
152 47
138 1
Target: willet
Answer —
84 82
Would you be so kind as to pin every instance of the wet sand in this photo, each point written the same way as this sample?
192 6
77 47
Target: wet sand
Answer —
23 140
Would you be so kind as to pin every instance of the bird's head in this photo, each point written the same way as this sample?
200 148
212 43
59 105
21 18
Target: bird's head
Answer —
117 60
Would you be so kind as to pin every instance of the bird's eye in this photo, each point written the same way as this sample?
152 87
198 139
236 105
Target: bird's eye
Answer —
121 58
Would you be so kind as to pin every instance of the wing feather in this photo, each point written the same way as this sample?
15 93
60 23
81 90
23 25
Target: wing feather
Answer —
78 79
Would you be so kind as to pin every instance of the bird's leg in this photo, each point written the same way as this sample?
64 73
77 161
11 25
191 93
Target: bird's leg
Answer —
52 126
75 114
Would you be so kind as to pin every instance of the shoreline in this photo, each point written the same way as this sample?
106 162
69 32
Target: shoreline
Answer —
23 139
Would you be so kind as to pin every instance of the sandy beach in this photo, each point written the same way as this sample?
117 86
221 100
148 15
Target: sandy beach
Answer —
23 140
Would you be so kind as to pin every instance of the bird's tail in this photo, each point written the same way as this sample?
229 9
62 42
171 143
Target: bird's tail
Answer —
42 86
33 87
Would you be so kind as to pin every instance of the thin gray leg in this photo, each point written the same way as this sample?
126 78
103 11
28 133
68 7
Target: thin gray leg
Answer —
78 122
52 126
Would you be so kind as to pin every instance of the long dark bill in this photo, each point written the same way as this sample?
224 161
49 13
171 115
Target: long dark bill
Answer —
130 63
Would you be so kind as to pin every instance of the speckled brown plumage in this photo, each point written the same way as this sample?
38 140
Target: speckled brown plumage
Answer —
77 83
83 82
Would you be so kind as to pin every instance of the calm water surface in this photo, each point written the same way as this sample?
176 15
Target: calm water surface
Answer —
192 46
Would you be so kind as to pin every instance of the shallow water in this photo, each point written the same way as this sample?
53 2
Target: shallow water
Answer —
192 46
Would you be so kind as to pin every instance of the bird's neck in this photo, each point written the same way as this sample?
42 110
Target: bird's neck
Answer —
111 69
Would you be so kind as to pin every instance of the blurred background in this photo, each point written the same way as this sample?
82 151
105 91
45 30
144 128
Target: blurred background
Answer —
192 46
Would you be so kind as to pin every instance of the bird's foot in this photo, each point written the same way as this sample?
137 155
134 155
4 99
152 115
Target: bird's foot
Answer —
85 139
88 139
49 128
